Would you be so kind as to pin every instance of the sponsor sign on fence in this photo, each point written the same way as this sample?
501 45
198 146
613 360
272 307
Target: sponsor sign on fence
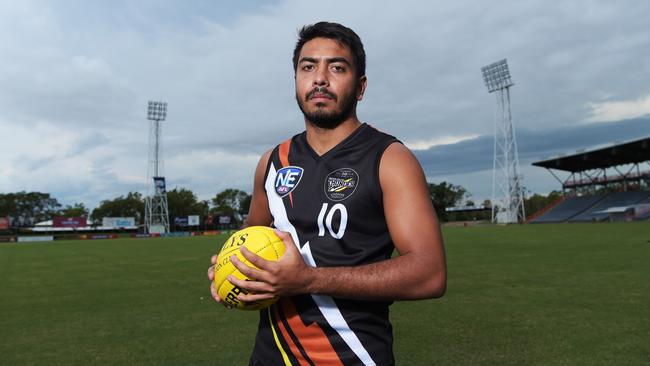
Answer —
140 235
102 236
26 239
193 220
211 232
175 234
69 222
117 222
180 221
4 223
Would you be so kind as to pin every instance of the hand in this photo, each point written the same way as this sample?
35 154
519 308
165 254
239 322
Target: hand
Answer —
213 291
288 276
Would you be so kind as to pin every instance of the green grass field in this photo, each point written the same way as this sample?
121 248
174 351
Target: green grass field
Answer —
520 295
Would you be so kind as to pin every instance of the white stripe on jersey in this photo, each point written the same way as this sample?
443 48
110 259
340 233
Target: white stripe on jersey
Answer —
326 304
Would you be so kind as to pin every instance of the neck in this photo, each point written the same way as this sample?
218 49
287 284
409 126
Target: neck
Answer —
322 140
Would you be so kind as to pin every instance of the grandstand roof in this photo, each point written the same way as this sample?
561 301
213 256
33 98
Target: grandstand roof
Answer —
631 152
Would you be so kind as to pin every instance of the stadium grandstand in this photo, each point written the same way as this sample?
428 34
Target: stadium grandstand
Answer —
603 184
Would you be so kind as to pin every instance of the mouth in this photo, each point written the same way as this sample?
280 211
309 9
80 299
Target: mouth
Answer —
320 94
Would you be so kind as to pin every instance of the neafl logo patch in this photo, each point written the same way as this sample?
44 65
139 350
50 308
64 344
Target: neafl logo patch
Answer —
287 179
341 183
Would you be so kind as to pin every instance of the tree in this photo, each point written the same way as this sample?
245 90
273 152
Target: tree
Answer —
31 206
76 210
445 195
130 206
183 202
231 202
245 204
537 202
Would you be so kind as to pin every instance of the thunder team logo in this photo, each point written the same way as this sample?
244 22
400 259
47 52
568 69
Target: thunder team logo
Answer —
287 179
341 183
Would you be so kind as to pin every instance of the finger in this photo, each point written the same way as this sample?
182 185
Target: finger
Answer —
287 239
213 259
251 286
211 273
285 236
246 270
254 297
214 293
255 259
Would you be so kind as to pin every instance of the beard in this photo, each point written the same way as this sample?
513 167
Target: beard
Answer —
324 119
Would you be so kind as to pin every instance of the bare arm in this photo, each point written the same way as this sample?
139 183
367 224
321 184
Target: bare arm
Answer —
258 212
418 272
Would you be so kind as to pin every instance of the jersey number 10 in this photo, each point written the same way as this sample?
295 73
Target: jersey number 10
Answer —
326 221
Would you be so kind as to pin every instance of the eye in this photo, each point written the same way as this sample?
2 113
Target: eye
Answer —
338 68
307 67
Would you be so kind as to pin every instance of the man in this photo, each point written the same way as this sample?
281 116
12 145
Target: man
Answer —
343 196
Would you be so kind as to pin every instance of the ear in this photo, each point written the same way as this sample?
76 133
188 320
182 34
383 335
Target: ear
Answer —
363 82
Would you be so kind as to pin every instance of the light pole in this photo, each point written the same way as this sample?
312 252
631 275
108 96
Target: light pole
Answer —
507 183
156 215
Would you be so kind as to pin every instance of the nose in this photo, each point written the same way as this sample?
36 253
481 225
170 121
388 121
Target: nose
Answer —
320 77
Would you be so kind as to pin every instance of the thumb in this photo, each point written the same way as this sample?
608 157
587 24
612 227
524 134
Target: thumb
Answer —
287 239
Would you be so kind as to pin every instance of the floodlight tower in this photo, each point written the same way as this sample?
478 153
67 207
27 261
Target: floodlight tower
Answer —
156 212
507 183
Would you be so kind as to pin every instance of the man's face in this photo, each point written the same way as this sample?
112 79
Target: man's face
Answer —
327 89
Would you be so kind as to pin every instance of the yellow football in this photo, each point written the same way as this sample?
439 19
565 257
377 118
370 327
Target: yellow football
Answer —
260 240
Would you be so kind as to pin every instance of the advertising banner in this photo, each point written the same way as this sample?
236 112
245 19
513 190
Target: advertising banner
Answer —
69 222
174 235
155 230
4 223
180 221
224 219
193 220
29 239
117 222
101 236
211 232
140 235
159 183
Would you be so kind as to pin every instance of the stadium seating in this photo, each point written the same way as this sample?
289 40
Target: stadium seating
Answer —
568 208
617 199
646 215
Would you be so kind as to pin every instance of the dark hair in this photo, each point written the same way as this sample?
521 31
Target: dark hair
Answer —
335 31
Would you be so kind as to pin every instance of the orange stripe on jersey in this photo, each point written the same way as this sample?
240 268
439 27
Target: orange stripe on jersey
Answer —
311 337
284 153
284 160
292 346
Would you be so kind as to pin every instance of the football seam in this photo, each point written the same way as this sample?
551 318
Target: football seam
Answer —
272 247
277 257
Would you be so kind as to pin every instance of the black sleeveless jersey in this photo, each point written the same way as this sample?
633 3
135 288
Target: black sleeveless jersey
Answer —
332 205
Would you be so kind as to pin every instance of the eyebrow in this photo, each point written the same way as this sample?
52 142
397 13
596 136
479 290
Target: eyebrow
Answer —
329 60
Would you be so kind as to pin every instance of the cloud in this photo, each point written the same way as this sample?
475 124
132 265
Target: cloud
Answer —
470 162
477 154
436 141
618 110
77 76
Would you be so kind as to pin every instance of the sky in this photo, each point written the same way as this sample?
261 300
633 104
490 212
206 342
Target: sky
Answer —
76 76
